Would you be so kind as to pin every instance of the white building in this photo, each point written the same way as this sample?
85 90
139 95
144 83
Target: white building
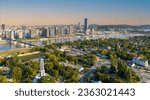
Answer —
47 32
7 33
12 35
71 30
140 62
33 33
41 72
20 34
52 31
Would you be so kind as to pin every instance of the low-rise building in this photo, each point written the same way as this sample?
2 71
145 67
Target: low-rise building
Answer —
130 64
141 62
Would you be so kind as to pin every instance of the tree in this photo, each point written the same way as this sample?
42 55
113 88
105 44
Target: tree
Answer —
122 69
3 79
17 74
12 62
129 76
104 52
1 72
48 67
89 78
47 79
55 74
102 77
102 69
113 68
29 72
28 80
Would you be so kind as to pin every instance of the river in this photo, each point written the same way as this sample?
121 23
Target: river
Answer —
9 46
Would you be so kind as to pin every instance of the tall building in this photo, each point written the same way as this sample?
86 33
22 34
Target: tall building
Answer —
12 35
93 31
20 33
3 28
85 24
42 70
33 33
71 30
79 26
52 31
48 32
26 34
7 33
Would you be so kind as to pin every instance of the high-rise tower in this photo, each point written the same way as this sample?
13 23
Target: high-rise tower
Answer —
42 70
3 28
85 24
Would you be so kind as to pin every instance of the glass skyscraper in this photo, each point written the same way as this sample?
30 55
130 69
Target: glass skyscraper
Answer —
85 24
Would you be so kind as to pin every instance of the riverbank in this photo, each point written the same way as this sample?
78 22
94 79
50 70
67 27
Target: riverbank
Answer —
3 42
45 39
66 37
15 51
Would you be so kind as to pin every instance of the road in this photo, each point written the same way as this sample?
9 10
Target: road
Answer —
145 76
84 77
27 54
93 69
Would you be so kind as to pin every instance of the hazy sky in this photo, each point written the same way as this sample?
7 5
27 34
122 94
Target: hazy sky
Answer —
73 11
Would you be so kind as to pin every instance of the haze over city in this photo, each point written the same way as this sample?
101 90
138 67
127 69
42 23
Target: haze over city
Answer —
51 12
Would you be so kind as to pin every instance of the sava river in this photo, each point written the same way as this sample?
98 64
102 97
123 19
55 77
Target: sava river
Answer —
9 46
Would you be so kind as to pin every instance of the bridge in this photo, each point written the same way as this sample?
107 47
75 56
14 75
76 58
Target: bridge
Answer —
22 43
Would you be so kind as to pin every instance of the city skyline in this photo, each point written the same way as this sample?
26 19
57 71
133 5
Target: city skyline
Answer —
54 12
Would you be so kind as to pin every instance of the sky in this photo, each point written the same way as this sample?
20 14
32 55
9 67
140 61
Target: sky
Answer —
54 12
